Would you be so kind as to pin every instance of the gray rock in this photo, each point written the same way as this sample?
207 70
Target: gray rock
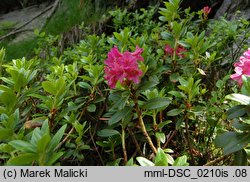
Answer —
21 16
230 7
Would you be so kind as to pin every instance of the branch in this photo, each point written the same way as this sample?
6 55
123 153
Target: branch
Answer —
189 142
96 149
13 33
142 125
65 139
211 163
170 138
135 142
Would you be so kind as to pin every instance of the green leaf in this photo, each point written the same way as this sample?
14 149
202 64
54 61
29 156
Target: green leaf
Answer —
240 158
107 133
232 141
8 98
84 85
146 85
144 162
56 88
174 77
236 111
202 72
114 163
54 158
6 133
6 148
177 28
245 89
43 143
178 94
156 103
174 112
23 146
161 136
36 136
181 161
241 125
56 138
161 125
119 115
22 159
170 159
119 99
167 36
91 108
243 99
130 162
161 158
49 87
167 150
79 128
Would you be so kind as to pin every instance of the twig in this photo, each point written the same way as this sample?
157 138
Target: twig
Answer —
96 149
17 30
124 146
135 142
189 142
217 160
170 138
65 139
13 33
208 141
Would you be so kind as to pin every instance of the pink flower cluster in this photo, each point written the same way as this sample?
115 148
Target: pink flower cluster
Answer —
242 67
123 67
179 51
206 10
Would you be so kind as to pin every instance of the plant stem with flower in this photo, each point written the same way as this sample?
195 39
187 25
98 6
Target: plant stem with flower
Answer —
123 67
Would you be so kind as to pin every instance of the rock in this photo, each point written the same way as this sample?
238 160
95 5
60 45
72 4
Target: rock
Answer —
19 17
231 6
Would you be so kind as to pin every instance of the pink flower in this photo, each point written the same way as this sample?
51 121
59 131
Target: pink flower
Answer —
179 51
123 67
206 10
247 54
242 67
169 50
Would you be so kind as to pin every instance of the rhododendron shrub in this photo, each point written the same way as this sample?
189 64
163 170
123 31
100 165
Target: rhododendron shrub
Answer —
102 100
123 67
242 67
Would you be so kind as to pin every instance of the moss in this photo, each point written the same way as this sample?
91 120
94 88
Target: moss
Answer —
21 49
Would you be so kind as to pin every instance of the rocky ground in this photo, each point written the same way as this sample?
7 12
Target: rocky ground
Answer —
23 16
231 6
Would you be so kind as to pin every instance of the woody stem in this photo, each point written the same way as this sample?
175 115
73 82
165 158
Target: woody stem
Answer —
142 125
